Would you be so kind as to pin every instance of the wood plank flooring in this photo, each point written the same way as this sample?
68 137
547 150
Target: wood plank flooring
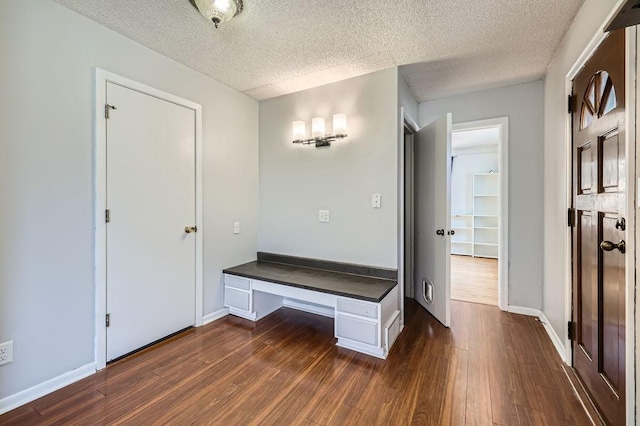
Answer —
474 279
490 368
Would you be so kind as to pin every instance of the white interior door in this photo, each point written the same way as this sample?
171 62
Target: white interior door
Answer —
432 150
151 199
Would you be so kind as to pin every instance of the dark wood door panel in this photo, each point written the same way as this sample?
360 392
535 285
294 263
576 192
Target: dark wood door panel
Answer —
612 305
585 162
587 335
599 197
609 173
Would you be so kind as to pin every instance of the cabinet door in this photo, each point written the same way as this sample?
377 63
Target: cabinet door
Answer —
359 330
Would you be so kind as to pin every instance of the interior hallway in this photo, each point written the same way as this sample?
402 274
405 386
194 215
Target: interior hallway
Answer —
491 367
474 279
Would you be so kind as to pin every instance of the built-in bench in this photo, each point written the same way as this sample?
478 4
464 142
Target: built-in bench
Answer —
363 300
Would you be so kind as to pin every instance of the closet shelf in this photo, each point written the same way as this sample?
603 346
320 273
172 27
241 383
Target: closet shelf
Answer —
481 223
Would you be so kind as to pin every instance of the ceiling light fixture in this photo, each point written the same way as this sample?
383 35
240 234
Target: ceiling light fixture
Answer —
218 11
318 135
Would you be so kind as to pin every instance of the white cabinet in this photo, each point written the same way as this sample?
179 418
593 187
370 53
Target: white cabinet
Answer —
368 327
476 234
238 296
363 326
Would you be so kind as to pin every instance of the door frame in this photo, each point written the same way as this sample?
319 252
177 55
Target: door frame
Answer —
503 224
100 166
405 119
632 74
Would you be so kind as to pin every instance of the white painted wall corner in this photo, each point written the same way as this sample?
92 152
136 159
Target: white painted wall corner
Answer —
216 315
521 310
555 339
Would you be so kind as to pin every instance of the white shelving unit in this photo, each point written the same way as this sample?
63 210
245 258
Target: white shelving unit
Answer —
476 234
462 240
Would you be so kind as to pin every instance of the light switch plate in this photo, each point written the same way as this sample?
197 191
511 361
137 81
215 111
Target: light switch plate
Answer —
376 201
323 215
236 227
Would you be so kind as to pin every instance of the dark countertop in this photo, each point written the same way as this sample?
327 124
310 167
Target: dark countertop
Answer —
354 286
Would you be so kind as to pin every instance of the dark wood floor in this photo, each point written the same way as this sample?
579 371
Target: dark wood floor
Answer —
491 367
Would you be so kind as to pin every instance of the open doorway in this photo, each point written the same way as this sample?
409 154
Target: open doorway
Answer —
478 212
409 241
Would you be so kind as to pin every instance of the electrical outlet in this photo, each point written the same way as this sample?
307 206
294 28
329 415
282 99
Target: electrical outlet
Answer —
376 201
6 352
323 215
236 227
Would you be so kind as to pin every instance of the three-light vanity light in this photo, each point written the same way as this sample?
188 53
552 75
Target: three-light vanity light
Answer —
318 135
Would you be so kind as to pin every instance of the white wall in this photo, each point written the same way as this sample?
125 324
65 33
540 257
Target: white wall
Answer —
46 179
464 166
296 181
523 104
592 14
407 99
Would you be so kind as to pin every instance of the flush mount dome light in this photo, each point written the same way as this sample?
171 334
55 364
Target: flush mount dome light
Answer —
218 11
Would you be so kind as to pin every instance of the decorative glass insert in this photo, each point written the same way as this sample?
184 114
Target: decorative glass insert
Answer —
599 99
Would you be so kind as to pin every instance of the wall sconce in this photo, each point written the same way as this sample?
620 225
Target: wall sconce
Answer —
318 135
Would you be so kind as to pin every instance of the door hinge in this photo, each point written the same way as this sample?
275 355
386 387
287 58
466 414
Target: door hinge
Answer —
570 329
108 320
107 216
107 109
570 217
571 103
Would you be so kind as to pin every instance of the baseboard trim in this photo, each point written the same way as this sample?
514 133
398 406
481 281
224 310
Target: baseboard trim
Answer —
521 310
213 316
38 391
308 307
555 339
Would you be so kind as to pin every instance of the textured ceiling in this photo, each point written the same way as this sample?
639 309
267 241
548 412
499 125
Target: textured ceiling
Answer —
275 47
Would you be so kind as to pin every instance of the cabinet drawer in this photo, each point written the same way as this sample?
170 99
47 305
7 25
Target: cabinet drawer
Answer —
356 329
355 307
236 299
237 282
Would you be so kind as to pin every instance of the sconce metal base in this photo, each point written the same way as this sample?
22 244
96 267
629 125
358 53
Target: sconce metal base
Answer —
320 142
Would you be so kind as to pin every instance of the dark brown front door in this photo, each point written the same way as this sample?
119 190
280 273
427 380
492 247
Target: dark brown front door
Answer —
599 199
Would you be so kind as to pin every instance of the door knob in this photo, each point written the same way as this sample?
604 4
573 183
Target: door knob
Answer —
440 232
190 229
609 246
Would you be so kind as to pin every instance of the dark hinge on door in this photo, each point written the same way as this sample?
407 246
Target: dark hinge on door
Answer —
108 320
107 216
570 328
107 109
571 104
570 217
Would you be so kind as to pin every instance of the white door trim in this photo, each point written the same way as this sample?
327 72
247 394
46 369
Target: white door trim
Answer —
403 118
100 166
503 226
632 134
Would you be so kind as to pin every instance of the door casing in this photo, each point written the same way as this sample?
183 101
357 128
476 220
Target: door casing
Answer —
404 119
100 163
503 222
631 179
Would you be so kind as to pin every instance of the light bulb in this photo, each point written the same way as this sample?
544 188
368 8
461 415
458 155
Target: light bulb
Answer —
217 11
339 124
317 127
299 130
